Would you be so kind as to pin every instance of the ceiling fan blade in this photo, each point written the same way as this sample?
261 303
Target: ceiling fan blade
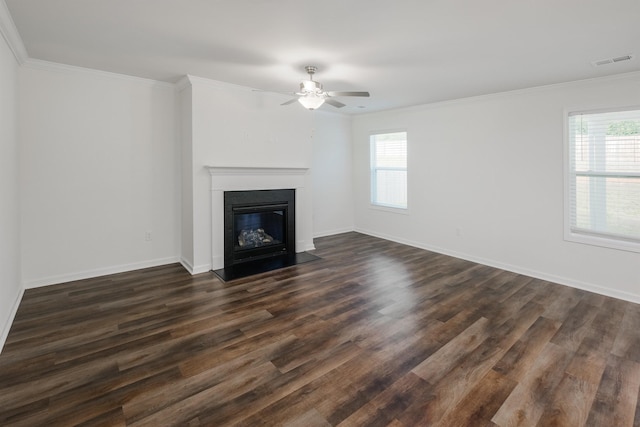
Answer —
348 93
334 103
291 101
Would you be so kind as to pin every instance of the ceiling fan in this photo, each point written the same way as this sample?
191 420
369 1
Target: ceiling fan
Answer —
312 95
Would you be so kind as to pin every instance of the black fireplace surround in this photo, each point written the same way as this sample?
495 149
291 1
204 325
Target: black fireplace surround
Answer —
258 224
259 233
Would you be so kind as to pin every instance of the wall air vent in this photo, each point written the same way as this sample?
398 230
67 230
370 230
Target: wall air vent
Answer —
605 61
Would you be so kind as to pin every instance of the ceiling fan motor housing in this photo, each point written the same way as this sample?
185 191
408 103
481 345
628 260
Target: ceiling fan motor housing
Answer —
308 86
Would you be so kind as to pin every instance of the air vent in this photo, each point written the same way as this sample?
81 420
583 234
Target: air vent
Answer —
622 58
606 61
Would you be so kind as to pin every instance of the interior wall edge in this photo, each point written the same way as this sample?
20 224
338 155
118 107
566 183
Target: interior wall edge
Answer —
10 33
12 315
187 265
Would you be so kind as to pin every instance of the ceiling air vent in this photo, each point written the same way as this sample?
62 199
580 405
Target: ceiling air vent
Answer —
605 61
622 58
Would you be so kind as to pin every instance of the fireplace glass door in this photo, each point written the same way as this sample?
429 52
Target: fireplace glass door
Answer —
259 227
258 224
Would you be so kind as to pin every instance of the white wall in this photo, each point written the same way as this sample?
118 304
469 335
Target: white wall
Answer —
100 167
492 168
235 126
332 174
186 173
10 288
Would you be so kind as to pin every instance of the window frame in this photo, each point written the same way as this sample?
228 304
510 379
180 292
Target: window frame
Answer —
572 234
372 172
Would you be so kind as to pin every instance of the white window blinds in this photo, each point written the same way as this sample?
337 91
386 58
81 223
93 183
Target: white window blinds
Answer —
604 174
389 169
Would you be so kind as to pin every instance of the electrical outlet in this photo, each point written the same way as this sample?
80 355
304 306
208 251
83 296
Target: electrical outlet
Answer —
147 236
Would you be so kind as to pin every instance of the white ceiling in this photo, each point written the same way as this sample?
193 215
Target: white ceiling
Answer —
405 52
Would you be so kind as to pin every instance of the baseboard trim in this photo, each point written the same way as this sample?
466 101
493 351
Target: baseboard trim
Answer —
590 287
307 248
88 274
333 232
9 321
199 269
217 262
203 268
187 265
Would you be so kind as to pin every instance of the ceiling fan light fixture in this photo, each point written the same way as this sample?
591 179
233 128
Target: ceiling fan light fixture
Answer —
312 96
311 101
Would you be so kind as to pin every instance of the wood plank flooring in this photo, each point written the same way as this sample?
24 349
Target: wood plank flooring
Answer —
374 334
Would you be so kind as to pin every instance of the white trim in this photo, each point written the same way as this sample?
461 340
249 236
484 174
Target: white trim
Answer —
590 287
183 83
204 268
378 205
187 265
333 232
215 83
497 95
88 274
600 110
244 170
241 178
10 33
9 321
390 209
191 80
570 234
199 269
306 246
38 64
620 244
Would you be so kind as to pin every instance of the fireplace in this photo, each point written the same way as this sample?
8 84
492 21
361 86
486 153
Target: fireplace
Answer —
258 225
256 260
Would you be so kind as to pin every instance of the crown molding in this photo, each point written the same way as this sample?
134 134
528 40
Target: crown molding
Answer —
189 80
182 83
39 64
632 75
11 35
195 81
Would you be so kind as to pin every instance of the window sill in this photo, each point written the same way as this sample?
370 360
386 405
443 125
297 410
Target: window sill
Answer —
602 241
401 211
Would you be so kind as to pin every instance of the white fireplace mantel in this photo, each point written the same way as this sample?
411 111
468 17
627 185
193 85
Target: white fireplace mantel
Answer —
233 178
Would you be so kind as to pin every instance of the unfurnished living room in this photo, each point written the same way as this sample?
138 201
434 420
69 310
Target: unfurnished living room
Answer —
329 213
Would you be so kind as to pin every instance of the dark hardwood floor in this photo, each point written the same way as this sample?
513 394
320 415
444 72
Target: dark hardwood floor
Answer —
373 334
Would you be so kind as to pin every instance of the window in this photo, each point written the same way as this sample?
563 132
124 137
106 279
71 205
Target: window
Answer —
603 180
389 169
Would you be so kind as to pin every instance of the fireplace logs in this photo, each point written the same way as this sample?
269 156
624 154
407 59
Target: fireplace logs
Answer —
255 238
